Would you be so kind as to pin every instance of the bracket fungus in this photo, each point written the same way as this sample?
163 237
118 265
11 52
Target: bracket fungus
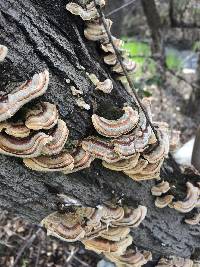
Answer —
193 221
115 128
161 188
82 160
107 47
60 162
43 116
26 147
132 217
162 202
130 258
105 86
115 234
87 13
16 129
12 102
191 200
95 31
100 149
110 59
129 65
59 137
141 164
124 164
174 262
100 245
66 227
111 213
3 52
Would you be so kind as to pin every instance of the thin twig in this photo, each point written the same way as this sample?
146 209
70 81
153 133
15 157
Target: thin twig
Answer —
132 92
119 8
26 245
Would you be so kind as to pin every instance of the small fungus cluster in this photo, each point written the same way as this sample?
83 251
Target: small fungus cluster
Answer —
104 229
128 144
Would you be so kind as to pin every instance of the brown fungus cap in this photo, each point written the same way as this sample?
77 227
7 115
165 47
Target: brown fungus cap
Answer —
160 188
132 217
100 149
130 258
21 95
116 128
100 245
42 116
16 129
111 213
162 202
3 52
66 227
124 164
59 162
105 86
26 147
59 137
191 199
115 234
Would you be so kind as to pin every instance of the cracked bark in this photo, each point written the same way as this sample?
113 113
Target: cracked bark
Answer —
42 34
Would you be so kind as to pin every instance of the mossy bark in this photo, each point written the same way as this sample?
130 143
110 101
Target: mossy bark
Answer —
42 34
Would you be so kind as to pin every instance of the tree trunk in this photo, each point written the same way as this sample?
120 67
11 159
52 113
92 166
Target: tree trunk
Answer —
194 100
157 46
42 34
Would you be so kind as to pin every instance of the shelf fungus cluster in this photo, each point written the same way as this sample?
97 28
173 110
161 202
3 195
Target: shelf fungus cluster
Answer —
128 144
175 262
158 190
95 31
104 229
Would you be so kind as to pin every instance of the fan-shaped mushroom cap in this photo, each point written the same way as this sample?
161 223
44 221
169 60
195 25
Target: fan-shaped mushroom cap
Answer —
174 262
128 64
100 149
82 160
111 213
124 164
16 129
142 177
100 245
64 226
59 138
107 47
115 128
195 220
191 199
95 31
160 188
43 116
110 59
115 234
85 14
3 52
142 163
132 217
130 258
59 162
29 90
27 147
152 168
162 202
105 86
159 152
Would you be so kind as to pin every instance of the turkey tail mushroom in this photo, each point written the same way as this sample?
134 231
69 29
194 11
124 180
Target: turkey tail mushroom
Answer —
16 129
43 116
66 227
191 199
95 31
162 202
3 52
59 137
160 188
115 128
59 162
27 147
12 102
105 86
132 217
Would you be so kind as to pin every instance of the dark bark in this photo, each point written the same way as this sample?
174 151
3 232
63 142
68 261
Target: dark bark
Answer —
42 34
157 46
